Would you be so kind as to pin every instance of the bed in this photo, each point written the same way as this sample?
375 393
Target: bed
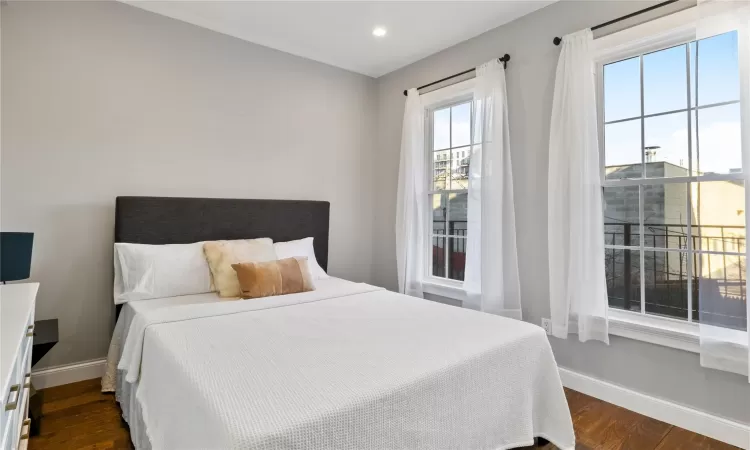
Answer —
347 366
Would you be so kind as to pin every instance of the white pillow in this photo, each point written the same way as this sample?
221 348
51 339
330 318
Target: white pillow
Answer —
296 249
144 272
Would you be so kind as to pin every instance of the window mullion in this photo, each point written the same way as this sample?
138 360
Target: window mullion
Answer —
697 127
690 190
715 105
447 239
448 176
689 243
641 229
431 183
448 185
449 191
602 129
429 139
674 180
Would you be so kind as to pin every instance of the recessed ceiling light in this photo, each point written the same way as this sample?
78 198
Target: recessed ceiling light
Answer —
379 31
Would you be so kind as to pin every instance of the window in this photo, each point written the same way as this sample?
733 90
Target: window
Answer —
673 189
449 139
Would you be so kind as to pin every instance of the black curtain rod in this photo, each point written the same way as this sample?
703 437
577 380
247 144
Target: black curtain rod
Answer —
558 40
504 60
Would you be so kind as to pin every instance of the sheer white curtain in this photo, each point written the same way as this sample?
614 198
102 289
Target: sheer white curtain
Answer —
410 208
491 278
578 288
724 342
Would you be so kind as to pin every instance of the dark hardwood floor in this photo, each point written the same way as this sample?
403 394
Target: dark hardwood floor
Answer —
78 416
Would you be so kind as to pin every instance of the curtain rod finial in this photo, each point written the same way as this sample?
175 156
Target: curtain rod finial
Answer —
557 41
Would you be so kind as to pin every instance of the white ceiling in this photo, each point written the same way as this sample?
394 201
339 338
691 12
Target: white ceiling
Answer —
339 33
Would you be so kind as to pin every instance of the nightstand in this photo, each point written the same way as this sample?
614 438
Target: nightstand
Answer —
45 337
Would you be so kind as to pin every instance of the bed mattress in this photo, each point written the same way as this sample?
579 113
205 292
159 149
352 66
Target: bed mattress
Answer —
348 366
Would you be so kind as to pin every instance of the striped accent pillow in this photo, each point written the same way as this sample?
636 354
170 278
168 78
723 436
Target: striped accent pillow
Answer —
280 277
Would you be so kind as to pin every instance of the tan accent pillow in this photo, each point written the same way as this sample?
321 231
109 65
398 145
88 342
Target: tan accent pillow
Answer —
281 277
222 254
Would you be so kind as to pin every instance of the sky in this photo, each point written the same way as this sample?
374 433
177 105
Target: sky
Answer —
461 127
665 89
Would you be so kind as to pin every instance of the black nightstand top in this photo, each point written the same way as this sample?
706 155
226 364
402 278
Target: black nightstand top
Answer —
45 337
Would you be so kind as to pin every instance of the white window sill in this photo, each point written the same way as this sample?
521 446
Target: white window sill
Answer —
444 288
652 329
655 330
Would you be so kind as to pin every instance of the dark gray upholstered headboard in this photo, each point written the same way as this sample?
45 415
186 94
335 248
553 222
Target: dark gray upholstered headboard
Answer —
177 220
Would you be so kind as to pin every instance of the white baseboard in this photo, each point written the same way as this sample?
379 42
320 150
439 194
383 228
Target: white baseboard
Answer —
71 373
718 428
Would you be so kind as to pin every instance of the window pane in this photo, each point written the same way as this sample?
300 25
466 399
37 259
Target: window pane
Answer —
719 140
438 256
441 132
718 69
719 207
665 80
439 213
460 168
457 214
622 150
720 227
621 216
665 215
623 278
666 279
456 258
666 149
441 167
461 123
722 297
622 90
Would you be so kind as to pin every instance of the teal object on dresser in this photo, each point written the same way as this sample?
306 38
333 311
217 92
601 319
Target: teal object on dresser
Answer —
15 255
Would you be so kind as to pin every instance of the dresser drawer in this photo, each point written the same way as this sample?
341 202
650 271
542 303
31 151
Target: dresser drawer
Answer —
23 444
18 429
16 337
12 403
16 398
23 369
15 411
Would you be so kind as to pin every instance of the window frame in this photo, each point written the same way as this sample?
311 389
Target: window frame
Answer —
440 98
663 33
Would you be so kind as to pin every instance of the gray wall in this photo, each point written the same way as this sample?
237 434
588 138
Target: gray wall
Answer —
101 99
671 374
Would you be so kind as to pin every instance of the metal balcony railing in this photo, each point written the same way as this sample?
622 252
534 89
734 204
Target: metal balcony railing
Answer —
717 280
454 237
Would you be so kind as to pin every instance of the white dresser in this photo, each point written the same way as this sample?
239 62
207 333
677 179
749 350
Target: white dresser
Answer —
16 335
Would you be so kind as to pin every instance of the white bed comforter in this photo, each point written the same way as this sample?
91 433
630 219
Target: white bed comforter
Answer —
358 368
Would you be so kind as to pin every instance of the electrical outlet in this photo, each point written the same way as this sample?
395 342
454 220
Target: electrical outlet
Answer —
547 325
